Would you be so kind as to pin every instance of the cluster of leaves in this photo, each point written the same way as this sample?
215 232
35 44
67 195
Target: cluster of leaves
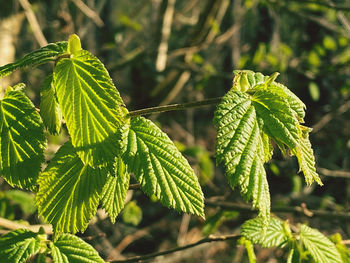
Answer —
255 112
93 167
304 243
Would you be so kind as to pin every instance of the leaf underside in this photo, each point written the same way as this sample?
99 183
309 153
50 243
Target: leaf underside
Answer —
69 191
18 246
71 249
22 140
115 189
160 168
37 57
91 106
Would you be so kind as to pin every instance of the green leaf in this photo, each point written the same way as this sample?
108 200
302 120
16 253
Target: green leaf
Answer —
37 57
240 146
342 249
69 191
320 247
132 213
18 246
71 249
91 106
278 118
306 158
22 139
160 168
50 110
277 232
115 189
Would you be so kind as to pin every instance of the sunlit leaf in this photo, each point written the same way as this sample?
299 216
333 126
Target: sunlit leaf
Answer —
160 168
320 247
37 57
91 106
69 191
115 189
240 147
71 249
22 139
50 110
276 234
18 246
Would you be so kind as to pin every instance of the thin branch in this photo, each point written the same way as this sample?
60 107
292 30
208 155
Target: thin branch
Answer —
89 12
334 173
208 239
173 107
8 224
321 3
300 210
38 34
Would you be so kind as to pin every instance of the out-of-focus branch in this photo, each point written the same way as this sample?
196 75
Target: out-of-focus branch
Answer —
89 12
325 4
38 34
166 29
334 173
208 239
11 225
329 116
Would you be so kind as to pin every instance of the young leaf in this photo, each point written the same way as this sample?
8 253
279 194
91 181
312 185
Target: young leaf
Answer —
160 168
74 45
71 249
18 246
22 139
50 110
115 189
245 80
278 118
240 146
91 106
132 213
320 247
37 57
69 191
276 235
306 158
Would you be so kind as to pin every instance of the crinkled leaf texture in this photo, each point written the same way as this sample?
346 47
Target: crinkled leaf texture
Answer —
255 111
240 146
22 139
115 189
37 57
160 168
277 234
50 110
320 247
69 191
71 249
91 106
18 246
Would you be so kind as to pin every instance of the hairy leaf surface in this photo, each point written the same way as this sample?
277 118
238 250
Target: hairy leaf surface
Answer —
50 110
160 168
240 145
22 139
18 246
91 106
71 249
69 191
320 247
115 189
37 57
276 233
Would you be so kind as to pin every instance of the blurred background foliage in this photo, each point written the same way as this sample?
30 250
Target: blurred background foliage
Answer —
160 52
